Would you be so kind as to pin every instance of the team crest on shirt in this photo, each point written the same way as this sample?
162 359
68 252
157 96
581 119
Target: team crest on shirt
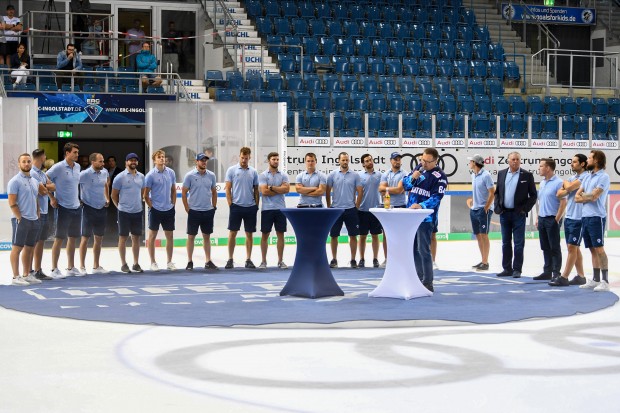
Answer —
436 174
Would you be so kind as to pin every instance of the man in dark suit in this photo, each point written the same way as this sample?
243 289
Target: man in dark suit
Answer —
515 195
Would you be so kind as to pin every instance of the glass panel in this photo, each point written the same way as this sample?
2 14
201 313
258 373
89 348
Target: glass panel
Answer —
179 55
137 24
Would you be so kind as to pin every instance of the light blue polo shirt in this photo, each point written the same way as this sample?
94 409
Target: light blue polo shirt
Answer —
371 197
343 186
481 183
130 191
40 176
67 180
574 209
276 201
26 188
199 195
393 178
243 182
548 202
510 187
589 184
312 180
92 187
161 183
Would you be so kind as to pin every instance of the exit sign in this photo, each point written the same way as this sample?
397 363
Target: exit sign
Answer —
549 2
64 134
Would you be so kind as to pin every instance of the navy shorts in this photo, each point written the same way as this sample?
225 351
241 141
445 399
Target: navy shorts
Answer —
163 218
44 228
93 221
239 213
25 233
272 218
480 221
129 223
572 231
200 219
435 225
68 222
593 231
351 219
369 223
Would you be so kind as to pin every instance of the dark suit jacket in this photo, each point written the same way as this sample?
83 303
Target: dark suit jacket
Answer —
525 194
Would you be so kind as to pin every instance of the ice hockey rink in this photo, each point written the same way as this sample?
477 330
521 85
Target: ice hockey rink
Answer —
564 364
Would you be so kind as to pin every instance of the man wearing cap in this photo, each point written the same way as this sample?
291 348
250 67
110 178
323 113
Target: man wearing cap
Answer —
8 43
273 184
199 195
242 198
127 196
481 208
68 210
310 184
392 183
95 196
160 194
22 192
370 180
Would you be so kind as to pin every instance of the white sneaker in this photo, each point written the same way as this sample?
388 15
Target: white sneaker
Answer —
100 270
154 267
435 266
31 279
383 264
282 265
602 286
590 284
171 267
19 281
262 265
57 274
83 271
74 272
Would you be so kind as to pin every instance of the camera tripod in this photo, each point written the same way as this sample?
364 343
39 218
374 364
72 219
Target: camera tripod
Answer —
50 7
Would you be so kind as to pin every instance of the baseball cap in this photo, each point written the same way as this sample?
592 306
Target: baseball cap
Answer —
477 159
132 156
395 155
201 156
10 7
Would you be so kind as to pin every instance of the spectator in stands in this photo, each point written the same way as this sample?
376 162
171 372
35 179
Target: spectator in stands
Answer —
80 20
172 48
147 63
11 26
70 62
134 39
20 62
84 162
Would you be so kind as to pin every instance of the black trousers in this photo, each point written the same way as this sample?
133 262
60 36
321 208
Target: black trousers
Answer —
549 236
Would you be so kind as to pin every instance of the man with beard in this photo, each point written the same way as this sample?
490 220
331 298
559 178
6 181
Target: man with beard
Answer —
22 194
572 224
127 196
273 185
310 184
95 195
45 187
593 194
68 211
370 180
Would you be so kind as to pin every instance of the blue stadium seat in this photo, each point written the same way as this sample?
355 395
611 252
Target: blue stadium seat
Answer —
459 86
496 51
322 100
351 28
253 81
376 65
461 68
264 25
294 81
394 66
478 69
511 70
94 88
368 83
353 120
317 27
397 48
517 104
243 95
442 86
306 10
312 82
414 49
535 105
600 106
341 64
286 62
481 122
395 101
430 103
272 8
385 29
334 28
445 122
495 69
430 48
463 50
387 84
495 87
427 67
322 62
302 99
358 101
480 51
311 45
448 103
331 82
445 67
323 10
516 123
500 105
346 46
423 85
374 121
350 83
283 96
274 81
425 121
377 101
613 105
582 123
404 84
413 102
552 105
549 123
568 104
584 106
483 103
315 119
340 100
329 47
411 66
476 86
368 29
340 11
410 121
263 96
215 78
466 103
282 25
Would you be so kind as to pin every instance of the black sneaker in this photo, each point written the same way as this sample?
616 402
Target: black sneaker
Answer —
362 263
136 268
40 275
542 277
353 264
477 265
210 266
229 264
516 274
577 280
189 266
505 273
482 267
249 264
559 282
125 268
333 263
429 287
375 263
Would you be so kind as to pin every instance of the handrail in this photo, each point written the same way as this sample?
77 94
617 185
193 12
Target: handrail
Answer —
228 20
540 25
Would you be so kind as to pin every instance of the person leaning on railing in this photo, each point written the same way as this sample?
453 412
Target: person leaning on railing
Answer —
68 61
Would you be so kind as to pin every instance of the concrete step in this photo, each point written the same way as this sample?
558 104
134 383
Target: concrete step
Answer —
201 96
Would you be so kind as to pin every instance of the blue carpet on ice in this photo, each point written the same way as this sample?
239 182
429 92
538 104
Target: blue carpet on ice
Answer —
243 297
